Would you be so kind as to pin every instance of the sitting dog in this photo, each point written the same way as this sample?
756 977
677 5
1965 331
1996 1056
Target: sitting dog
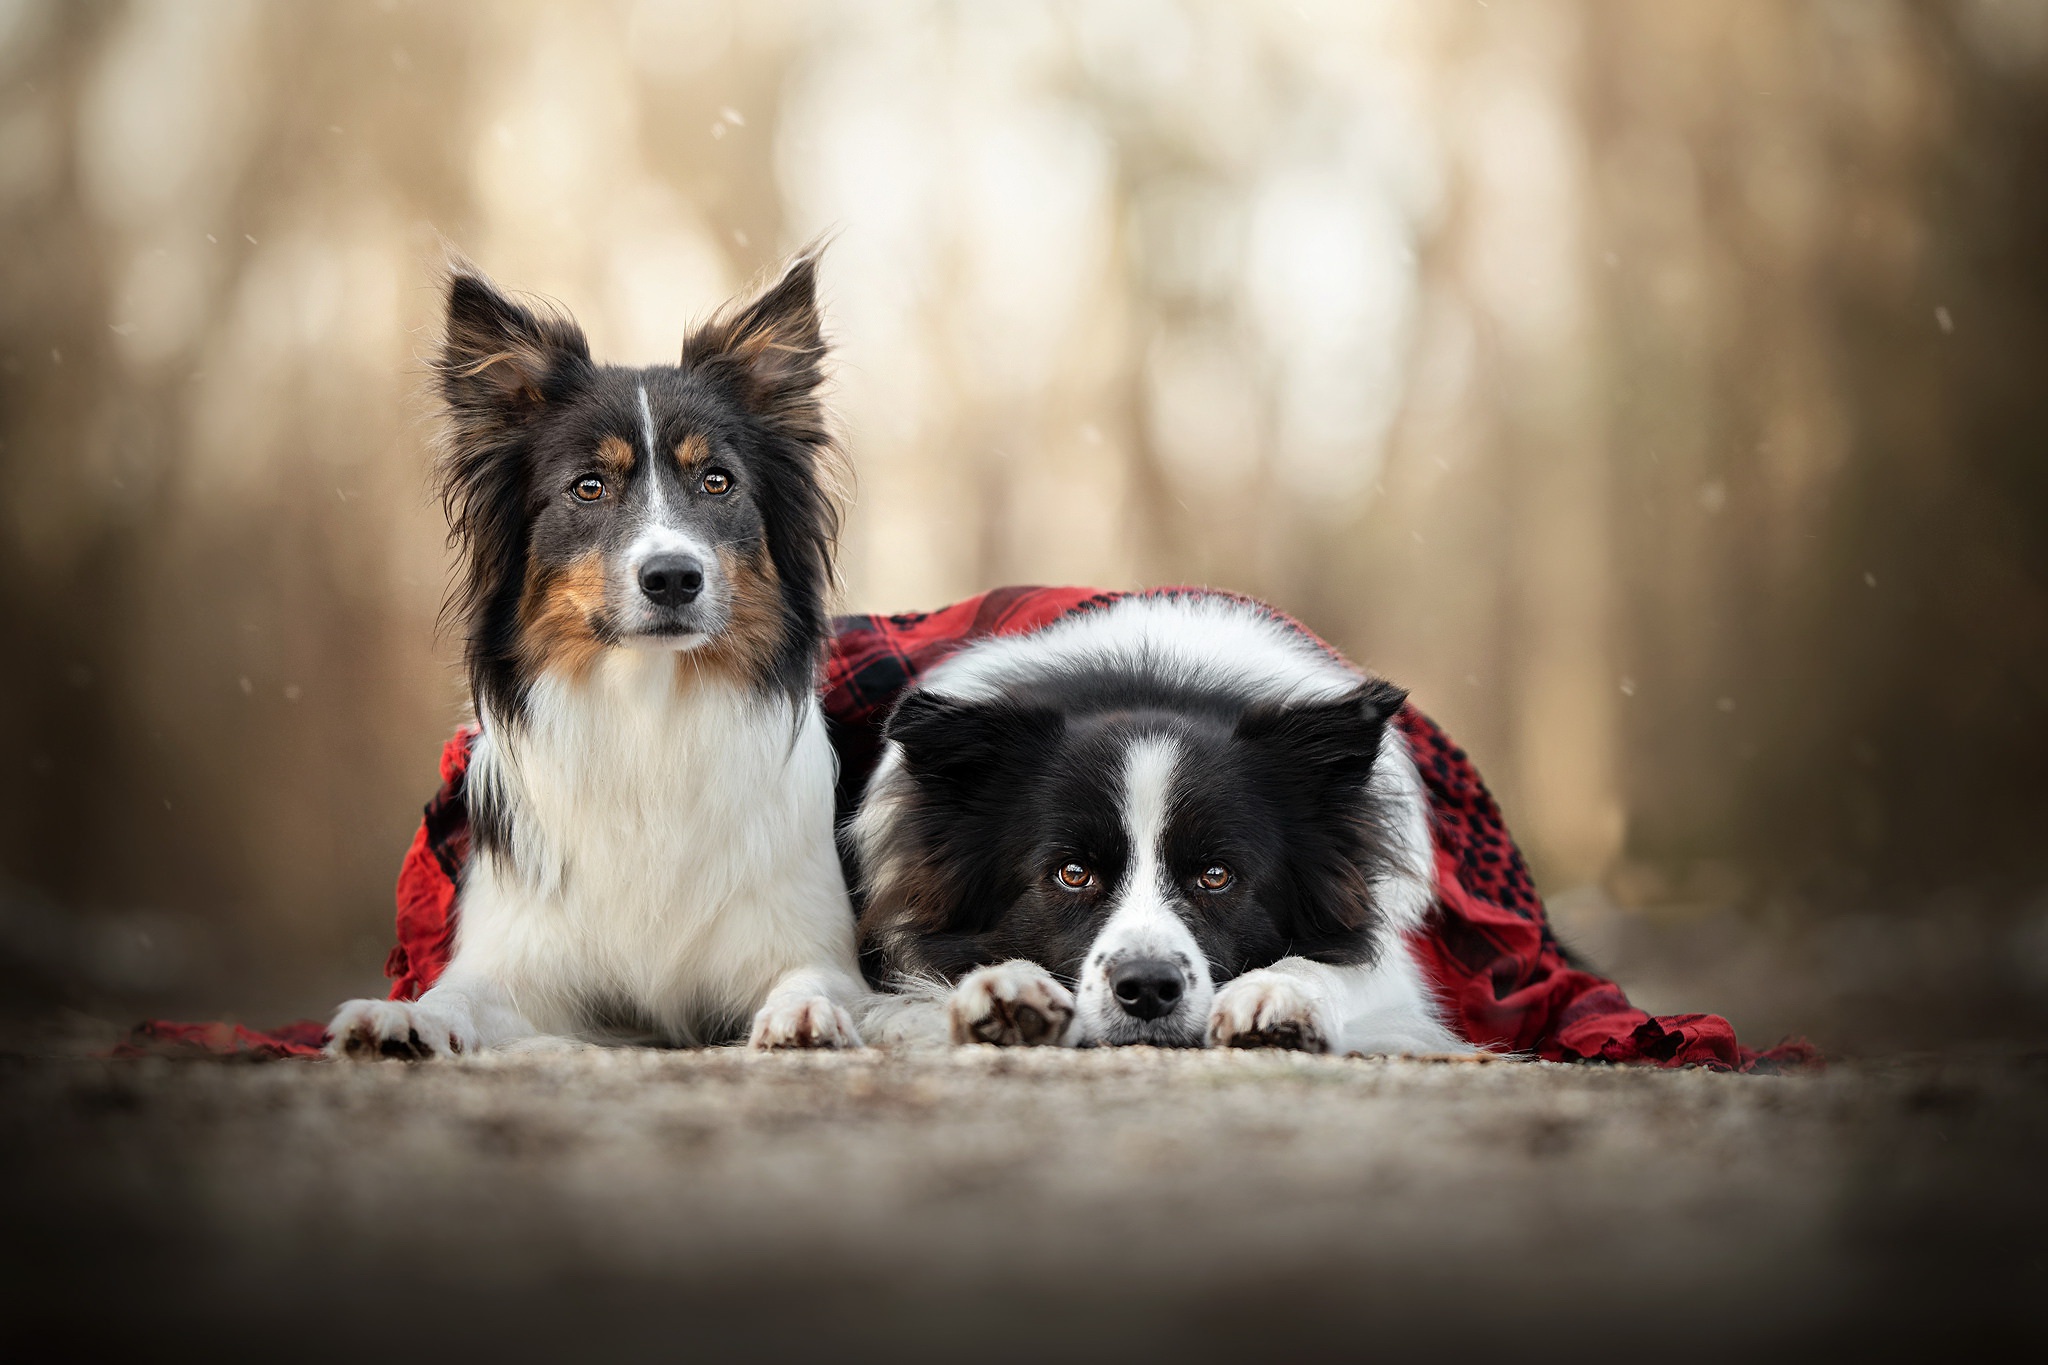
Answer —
1176 819
646 557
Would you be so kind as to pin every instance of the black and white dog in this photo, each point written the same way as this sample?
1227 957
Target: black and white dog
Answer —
646 559
1175 819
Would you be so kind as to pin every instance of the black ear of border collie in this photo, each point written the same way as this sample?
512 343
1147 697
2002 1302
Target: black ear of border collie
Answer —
501 362
1319 757
772 350
768 355
501 365
1339 737
956 742
945 865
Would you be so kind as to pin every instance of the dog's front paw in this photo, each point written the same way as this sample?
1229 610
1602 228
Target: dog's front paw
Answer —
805 1022
370 1029
1012 1004
1268 1009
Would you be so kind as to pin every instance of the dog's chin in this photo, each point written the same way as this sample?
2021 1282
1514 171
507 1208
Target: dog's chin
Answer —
1183 1028
668 638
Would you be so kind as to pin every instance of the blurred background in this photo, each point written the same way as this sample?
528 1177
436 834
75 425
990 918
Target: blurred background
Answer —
1658 390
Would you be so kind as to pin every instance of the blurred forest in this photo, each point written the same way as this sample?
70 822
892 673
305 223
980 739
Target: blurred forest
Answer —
1657 390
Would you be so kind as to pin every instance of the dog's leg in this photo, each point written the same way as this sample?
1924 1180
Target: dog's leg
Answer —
808 1008
461 1013
1012 1004
909 1017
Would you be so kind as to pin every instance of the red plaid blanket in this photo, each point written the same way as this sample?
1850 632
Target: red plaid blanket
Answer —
1489 951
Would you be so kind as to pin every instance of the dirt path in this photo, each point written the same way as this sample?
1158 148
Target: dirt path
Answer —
1131 1205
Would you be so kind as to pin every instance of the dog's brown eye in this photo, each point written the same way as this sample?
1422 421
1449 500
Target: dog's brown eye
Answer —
1215 877
1074 877
717 483
588 489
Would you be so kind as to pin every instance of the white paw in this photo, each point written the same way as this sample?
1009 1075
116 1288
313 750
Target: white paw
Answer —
1012 1004
371 1029
1268 1009
808 1021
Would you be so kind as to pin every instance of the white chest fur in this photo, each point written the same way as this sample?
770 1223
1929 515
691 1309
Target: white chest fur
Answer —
671 853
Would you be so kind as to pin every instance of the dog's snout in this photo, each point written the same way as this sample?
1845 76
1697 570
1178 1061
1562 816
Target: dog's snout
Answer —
672 580
1148 988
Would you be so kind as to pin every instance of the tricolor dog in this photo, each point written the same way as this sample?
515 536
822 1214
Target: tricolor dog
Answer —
1176 819
646 555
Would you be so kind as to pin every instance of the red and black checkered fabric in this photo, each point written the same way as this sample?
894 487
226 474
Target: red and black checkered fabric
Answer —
1489 951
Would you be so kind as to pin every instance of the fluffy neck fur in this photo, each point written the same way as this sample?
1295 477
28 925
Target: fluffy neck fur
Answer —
674 836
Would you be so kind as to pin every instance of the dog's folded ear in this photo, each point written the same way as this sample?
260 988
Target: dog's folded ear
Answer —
772 349
502 362
1317 759
1338 737
963 742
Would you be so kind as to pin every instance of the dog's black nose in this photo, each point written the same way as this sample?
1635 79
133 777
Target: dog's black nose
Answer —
672 580
1147 988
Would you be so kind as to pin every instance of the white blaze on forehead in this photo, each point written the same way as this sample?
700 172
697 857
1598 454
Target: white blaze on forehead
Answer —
659 532
647 425
1148 786
1143 923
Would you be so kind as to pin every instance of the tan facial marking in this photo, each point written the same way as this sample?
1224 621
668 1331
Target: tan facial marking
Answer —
615 457
746 647
559 614
693 453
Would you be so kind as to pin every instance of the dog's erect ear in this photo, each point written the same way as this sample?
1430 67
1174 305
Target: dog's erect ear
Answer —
1337 738
962 742
501 363
766 357
773 347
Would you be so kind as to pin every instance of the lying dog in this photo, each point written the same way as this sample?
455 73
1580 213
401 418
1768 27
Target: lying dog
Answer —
1175 819
646 560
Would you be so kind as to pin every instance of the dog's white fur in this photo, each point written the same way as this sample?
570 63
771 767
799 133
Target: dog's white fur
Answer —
1383 1007
671 858
1142 923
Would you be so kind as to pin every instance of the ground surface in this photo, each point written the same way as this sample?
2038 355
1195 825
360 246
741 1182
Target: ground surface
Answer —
1040 1205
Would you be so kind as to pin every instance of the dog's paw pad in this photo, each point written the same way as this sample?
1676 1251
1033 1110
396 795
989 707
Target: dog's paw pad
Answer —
1012 1004
812 1022
1265 1009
